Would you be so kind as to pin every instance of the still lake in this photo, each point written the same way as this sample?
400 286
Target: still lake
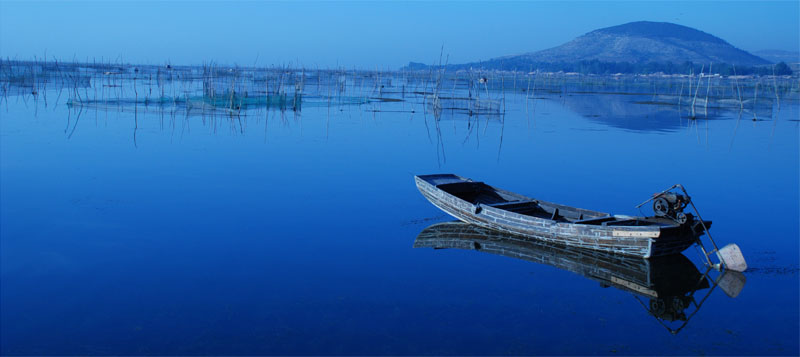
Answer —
141 230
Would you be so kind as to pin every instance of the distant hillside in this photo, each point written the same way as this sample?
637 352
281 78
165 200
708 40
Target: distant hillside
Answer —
643 41
629 47
776 56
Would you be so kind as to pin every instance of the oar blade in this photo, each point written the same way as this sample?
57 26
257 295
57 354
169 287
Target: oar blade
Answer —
732 258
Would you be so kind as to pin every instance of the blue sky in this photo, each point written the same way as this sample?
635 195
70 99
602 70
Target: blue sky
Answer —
358 34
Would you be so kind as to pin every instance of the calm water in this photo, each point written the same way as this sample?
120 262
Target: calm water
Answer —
134 230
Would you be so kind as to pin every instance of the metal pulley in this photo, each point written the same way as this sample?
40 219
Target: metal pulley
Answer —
671 205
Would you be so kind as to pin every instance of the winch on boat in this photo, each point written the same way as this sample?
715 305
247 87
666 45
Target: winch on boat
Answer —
671 205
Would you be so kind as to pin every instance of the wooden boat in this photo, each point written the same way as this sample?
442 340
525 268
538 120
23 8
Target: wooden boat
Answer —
478 203
668 282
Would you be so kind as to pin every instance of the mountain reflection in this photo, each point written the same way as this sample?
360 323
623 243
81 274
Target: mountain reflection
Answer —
646 112
665 286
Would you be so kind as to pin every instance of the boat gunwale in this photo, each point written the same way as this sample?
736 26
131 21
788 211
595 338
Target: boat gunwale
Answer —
460 209
655 228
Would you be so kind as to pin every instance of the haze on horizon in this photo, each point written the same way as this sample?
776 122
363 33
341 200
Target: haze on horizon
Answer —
358 34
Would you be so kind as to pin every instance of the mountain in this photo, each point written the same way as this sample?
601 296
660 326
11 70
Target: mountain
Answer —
777 56
635 43
644 41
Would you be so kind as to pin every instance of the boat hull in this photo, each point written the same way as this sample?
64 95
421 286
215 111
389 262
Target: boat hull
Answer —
639 241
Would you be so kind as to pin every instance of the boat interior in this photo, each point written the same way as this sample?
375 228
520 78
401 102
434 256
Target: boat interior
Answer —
479 193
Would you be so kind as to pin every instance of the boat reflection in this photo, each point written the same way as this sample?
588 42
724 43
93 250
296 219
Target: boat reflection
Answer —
665 286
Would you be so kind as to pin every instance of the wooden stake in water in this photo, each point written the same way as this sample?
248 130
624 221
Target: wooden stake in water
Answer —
738 90
775 82
694 100
708 88
755 101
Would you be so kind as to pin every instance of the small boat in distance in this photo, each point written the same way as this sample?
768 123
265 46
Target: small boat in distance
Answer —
670 231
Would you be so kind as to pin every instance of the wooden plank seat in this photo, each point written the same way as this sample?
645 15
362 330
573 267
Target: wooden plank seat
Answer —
622 222
510 203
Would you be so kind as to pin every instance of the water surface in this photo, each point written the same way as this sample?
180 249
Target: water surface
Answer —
138 229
